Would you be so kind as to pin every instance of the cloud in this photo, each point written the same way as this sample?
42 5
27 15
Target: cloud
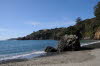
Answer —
3 29
63 24
33 23
52 24
39 25
11 33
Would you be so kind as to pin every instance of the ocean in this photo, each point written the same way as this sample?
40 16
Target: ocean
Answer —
15 49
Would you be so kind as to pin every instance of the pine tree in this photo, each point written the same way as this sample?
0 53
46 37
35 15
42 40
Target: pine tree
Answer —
97 11
78 20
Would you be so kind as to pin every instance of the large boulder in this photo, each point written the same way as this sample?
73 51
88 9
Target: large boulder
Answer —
69 42
50 49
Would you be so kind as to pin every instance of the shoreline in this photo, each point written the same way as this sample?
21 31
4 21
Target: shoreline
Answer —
59 58
25 56
38 53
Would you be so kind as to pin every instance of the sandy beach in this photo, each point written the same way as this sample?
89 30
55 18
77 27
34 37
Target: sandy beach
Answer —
87 57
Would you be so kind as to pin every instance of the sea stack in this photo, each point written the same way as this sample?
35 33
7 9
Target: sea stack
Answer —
69 42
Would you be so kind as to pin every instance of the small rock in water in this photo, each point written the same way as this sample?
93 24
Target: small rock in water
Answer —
50 49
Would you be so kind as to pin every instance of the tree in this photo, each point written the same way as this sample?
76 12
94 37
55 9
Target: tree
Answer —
78 20
97 10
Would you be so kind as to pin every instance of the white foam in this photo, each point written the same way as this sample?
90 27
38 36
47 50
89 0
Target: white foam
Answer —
38 53
90 43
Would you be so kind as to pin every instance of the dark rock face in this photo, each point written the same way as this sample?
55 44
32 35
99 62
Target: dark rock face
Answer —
69 42
50 49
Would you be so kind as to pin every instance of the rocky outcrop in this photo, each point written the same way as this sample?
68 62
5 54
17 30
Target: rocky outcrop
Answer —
50 49
97 34
69 42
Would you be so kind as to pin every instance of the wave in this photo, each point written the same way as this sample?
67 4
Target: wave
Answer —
84 44
32 54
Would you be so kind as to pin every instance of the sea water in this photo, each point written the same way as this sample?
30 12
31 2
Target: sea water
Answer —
14 49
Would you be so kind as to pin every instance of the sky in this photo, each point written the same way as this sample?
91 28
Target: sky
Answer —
21 17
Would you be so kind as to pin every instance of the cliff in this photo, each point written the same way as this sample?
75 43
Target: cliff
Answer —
97 34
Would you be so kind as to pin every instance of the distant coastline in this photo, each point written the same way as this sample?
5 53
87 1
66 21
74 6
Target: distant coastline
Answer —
57 33
89 28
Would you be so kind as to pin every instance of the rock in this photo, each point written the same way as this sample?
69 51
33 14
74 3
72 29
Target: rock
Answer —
50 49
68 42
97 34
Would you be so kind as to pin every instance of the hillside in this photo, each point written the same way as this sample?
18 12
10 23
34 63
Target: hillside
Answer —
89 28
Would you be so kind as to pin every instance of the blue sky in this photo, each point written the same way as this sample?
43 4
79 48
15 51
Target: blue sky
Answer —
22 17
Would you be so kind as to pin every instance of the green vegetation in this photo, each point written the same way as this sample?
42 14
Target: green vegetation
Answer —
87 28
97 11
78 20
